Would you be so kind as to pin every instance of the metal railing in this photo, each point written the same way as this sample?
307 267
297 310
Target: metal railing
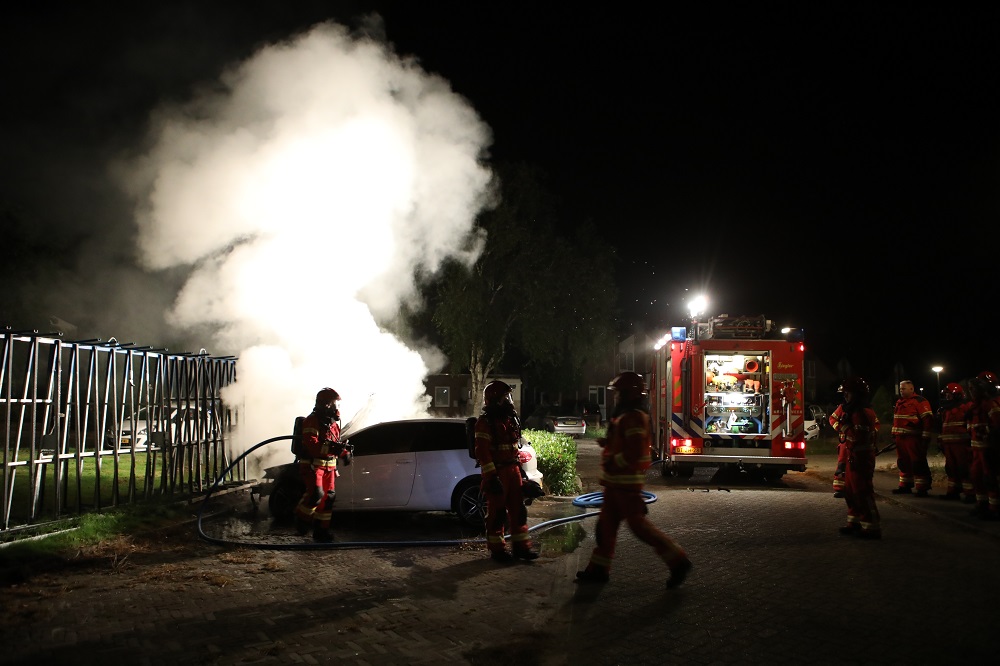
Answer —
91 424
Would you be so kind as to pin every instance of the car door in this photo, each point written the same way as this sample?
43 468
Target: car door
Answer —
381 476
442 463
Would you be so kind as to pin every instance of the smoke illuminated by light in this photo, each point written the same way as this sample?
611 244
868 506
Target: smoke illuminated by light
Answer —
304 198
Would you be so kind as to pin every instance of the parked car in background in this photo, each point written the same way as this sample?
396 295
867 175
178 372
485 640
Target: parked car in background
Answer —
811 428
184 424
817 414
555 419
409 465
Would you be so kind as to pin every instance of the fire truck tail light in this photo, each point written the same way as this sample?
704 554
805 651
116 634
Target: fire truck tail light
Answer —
801 446
674 443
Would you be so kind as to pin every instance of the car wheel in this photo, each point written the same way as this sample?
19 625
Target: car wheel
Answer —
285 495
470 504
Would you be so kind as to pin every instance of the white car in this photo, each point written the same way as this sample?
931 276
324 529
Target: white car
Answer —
410 465
811 429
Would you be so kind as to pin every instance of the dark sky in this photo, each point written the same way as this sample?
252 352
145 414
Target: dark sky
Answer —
829 165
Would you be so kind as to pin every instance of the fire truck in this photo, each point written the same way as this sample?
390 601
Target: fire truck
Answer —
728 392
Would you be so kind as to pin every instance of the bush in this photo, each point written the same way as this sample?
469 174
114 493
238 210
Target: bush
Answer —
556 460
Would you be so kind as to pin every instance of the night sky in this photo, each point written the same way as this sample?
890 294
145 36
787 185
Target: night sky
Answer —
832 166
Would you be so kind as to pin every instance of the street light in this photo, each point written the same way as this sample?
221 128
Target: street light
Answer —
937 371
696 306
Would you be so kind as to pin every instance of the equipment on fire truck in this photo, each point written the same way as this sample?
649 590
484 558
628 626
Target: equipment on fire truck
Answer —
730 395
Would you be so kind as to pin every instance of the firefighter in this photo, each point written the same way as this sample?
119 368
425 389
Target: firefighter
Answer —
857 426
321 448
912 425
626 456
984 431
956 444
498 440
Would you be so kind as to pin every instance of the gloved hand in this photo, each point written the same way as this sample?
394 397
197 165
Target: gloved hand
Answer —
493 486
841 469
348 459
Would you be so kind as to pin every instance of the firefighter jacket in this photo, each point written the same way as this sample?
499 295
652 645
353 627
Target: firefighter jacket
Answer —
627 453
858 431
321 444
497 442
984 423
912 417
954 428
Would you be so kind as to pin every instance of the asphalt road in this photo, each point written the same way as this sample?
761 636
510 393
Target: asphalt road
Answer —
773 582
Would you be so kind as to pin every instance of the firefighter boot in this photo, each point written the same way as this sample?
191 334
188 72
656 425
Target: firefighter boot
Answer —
851 528
592 575
525 554
678 572
501 556
902 490
322 535
302 526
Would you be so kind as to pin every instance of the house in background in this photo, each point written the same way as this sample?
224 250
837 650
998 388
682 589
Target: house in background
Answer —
451 395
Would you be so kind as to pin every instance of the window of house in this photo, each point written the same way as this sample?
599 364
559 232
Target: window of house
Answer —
442 396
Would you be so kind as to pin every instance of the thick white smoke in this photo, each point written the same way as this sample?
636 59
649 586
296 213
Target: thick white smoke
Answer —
305 194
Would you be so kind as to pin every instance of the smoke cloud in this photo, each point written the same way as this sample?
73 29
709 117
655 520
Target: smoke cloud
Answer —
303 193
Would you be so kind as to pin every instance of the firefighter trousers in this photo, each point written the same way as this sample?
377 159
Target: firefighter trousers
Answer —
859 493
984 472
958 468
316 505
628 505
911 459
507 508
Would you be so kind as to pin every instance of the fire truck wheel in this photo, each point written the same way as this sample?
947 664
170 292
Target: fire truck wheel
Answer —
684 471
772 475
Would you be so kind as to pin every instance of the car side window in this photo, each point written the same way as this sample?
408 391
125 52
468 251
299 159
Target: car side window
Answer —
384 438
442 437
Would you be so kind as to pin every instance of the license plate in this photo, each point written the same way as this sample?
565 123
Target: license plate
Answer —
126 440
688 449
569 422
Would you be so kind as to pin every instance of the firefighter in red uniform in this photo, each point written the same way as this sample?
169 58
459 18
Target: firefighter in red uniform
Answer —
625 458
956 444
912 424
322 447
498 440
857 426
984 430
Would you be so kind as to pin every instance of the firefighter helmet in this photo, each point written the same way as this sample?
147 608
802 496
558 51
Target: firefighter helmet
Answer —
326 396
497 392
953 392
856 386
630 385
326 403
984 384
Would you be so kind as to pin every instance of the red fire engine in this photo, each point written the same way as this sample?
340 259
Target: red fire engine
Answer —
728 392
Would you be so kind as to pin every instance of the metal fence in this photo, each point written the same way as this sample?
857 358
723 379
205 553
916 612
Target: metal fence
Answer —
91 424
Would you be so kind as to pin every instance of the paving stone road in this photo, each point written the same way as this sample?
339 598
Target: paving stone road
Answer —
773 583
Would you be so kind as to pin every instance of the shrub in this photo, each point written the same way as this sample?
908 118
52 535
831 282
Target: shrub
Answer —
556 460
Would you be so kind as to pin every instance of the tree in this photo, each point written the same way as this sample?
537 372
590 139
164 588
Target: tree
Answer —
548 297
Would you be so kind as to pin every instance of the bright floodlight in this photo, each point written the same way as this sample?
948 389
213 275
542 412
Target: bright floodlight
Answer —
697 305
937 368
